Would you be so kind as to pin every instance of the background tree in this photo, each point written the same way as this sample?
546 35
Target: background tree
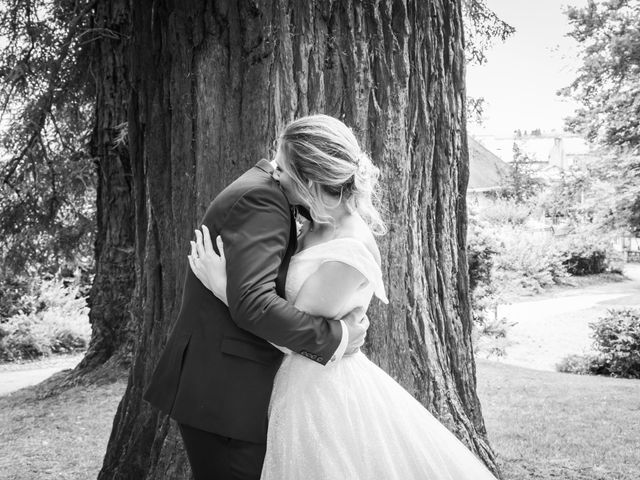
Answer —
47 180
111 343
66 200
608 82
608 90
482 28
602 194
212 83
46 175
520 183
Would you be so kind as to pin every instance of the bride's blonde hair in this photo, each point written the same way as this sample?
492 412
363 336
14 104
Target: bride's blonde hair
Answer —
322 155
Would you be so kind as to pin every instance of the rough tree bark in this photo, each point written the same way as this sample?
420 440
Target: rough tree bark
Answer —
212 84
111 343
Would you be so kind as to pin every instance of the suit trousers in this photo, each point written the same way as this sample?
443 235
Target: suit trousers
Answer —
214 457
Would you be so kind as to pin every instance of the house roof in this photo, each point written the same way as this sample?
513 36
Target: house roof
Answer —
485 168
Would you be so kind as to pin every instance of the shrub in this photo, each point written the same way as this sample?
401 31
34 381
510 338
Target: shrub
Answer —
506 212
17 295
588 253
528 264
617 343
22 340
579 364
60 326
490 336
584 264
584 255
617 340
482 246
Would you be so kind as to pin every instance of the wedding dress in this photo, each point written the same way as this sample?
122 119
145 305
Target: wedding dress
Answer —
349 419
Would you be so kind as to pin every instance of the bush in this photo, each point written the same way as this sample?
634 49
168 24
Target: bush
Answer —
511 257
482 246
528 264
489 332
617 343
617 340
585 255
22 339
506 212
60 326
590 252
579 364
17 295
490 336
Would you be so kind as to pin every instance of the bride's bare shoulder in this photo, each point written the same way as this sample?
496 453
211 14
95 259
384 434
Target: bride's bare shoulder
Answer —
359 230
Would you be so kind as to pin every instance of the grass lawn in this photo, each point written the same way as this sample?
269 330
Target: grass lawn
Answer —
547 425
543 425
62 437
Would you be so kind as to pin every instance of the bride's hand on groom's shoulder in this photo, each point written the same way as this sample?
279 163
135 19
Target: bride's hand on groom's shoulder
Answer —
207 265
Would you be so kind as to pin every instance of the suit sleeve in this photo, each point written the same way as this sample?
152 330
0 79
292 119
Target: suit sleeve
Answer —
255 235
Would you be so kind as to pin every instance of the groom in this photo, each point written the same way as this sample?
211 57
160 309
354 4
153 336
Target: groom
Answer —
216 372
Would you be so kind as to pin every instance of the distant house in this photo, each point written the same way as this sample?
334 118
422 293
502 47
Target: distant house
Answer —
485 169
549 154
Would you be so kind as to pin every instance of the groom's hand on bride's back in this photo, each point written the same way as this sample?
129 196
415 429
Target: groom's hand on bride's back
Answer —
357 324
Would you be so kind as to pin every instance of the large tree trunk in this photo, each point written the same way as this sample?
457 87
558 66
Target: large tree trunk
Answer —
112 340
212 84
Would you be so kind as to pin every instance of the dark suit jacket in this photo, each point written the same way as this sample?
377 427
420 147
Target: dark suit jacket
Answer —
217 369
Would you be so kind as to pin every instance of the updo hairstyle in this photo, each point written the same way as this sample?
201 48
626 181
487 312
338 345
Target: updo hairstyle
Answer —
322 156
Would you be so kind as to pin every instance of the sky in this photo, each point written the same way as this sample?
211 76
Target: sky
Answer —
520 79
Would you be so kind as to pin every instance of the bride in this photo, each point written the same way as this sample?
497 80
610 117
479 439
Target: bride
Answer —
347 420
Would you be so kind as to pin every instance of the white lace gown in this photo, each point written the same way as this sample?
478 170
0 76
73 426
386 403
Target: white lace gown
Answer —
350 420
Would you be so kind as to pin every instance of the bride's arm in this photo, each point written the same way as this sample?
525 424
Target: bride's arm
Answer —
326 292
